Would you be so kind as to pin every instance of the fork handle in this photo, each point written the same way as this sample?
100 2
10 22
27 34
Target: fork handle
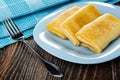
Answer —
52 68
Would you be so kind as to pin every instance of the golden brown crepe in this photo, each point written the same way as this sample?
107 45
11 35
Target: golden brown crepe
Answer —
80 18
99 33
54 25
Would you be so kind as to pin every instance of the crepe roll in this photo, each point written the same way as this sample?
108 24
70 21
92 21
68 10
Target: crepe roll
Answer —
99 33
80 18
54 25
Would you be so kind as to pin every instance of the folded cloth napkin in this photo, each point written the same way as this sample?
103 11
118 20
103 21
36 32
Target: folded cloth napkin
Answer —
27 13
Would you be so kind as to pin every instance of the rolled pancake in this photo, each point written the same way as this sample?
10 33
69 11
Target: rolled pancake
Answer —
99 33
80 18
54 25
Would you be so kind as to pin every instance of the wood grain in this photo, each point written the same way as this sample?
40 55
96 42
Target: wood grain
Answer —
17 62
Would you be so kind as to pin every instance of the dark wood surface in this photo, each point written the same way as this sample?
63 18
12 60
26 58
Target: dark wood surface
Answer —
17 62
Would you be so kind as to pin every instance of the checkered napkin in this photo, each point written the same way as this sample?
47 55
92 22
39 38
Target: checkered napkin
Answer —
27 13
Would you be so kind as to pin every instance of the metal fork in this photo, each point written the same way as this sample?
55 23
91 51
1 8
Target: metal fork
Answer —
17 35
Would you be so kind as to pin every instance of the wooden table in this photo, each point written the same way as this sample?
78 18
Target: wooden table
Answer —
17 62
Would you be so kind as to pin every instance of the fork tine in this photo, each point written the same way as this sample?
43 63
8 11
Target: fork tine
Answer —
5 23
14 26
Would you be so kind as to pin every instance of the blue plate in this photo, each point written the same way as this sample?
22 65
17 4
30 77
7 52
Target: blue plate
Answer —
65 50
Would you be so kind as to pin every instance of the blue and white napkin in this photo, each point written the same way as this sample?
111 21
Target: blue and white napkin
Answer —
27 13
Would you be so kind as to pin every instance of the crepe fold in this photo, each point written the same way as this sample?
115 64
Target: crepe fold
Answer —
54 25
99 33
80 18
